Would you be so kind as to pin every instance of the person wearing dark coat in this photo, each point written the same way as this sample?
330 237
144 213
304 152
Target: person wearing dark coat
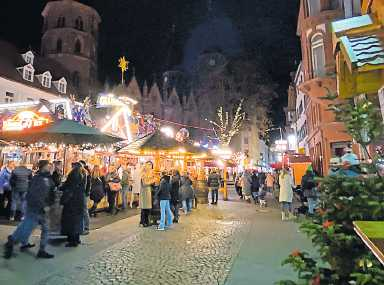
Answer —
40 196
175 195
164 195
73 202
255 185
87 192
57 174
20 179
186 194
97 189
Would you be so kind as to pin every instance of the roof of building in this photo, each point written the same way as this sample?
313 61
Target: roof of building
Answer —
365 50
351 23
11 59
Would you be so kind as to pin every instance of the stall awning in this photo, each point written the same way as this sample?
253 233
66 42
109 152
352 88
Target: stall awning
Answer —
158 141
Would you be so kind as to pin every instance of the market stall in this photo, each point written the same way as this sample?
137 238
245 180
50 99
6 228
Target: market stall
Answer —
167 153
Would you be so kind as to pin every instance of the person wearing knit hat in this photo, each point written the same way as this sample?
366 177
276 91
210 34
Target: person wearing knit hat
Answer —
40 196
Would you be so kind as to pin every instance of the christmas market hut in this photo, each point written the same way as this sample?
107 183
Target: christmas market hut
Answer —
167 153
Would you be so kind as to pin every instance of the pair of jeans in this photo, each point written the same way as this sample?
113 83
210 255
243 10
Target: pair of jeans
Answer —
312 205
286 206
175 210
165 211
187 205
124 195
214 194
18 198
25 228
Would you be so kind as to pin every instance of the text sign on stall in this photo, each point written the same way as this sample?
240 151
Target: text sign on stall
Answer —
24 120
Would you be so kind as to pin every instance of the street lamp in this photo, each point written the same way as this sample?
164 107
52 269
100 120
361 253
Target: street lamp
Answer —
277 128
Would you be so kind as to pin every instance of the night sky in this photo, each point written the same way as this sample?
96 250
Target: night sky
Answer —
142 31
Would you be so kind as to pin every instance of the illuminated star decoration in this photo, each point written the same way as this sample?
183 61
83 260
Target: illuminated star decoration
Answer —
123 65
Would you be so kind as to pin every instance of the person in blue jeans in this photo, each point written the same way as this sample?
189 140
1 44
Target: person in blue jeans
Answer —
40 196
186 193
164 195
20 179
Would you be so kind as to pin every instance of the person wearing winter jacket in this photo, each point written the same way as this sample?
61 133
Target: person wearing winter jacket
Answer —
214 185
5 188
164 196
175 195
20 179
309 188
40 196
186 194
73 197
97 190
247 185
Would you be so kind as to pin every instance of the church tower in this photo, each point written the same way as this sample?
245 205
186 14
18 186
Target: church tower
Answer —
70 35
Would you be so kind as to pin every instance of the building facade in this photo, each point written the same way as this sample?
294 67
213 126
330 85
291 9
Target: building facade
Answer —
29 77
70 36
325 137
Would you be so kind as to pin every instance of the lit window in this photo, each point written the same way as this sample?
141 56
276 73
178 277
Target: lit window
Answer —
28 72
46 80
62 86
318 55
28 57
9 97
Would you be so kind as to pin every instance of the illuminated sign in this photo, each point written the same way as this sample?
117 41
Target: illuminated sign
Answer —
110 100
24 120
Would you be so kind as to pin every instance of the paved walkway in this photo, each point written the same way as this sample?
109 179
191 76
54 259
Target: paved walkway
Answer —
232 243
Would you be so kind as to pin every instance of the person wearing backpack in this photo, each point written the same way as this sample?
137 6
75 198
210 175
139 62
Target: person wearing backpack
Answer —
164 195
214 185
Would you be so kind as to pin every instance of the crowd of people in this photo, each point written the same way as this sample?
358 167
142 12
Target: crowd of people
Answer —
26 195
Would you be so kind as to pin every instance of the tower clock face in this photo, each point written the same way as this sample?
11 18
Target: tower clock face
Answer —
212 62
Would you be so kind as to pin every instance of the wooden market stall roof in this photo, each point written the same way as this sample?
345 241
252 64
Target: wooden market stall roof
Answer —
158 141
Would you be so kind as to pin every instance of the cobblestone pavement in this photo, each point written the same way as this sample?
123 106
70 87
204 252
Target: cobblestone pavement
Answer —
199 250
231 243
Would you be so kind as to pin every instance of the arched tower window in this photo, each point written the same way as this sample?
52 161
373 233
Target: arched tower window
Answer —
61 22
76 79
59 45
318 55
79 23
77 46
